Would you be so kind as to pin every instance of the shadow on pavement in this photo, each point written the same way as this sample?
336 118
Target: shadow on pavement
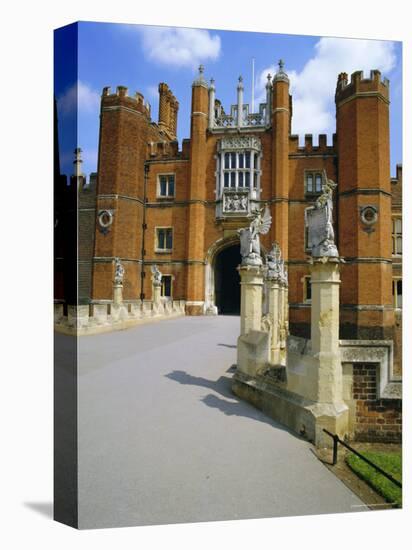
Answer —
228 346
223 385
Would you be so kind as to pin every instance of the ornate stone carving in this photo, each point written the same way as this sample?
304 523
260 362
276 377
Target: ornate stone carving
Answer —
119 272
240 142
105 220
319 221
235 203
276 269
266 323
200 79
249 237
369 214
281 75
156 275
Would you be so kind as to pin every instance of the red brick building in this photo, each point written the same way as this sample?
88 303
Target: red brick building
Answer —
180 208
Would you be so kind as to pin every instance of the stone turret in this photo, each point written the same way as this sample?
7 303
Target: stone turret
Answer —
197 193
280 158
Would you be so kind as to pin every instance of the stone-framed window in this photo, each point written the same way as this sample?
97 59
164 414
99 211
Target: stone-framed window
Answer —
307 289
166 288
313 182
163 239
165 186
240 170
397 293
238 164
396 236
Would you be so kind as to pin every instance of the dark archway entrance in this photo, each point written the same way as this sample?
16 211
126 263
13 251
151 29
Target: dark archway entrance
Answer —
227 281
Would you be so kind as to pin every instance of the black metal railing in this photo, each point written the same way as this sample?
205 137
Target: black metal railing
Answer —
337 440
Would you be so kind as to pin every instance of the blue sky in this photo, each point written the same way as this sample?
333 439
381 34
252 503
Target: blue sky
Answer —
140 57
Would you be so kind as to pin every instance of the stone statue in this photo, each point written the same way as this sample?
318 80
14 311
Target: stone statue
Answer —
119 272
319 221
275 265
249 237
273 262
157 275
236 203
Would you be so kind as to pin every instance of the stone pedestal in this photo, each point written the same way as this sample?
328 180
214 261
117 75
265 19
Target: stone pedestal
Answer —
117 294
325 283
273 304
251 285
156 294
330 411
253 343
283 321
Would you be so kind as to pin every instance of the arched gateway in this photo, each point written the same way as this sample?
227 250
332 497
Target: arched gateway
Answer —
222 283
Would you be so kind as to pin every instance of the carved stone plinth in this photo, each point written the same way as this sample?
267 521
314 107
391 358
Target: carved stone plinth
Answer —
156 292
330 411
253 352
251 285
117 294
274 314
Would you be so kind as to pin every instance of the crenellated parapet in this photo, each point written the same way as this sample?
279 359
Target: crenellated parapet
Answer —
163 150
309 148
121 99
360 86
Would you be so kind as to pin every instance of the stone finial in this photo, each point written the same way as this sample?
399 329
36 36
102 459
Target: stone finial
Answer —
78 161
200 79
78 155
212 84
269 78
281 75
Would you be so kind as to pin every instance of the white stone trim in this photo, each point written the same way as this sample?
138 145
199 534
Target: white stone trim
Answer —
375 351
162 250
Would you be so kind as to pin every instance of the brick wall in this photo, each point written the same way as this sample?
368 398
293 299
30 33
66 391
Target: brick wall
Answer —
378 420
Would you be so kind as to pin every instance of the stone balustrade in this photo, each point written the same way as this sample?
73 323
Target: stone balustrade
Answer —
104 317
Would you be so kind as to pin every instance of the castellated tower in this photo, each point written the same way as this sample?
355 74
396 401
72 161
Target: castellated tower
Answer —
364 209
124 123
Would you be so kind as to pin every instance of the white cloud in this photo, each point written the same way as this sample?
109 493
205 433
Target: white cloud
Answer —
313 88
180 47
80 96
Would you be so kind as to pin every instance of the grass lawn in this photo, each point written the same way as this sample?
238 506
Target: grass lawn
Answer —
390 463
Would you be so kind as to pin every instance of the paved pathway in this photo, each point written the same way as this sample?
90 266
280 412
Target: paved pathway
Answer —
163 440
